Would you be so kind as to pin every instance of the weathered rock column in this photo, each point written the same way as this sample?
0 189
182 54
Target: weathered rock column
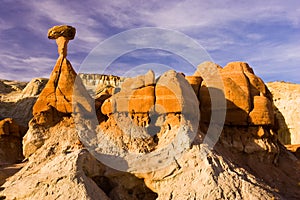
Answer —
62 34
55 100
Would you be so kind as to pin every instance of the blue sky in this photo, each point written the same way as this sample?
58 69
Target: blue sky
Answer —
266 34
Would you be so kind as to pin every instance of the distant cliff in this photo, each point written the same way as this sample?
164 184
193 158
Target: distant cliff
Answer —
96 79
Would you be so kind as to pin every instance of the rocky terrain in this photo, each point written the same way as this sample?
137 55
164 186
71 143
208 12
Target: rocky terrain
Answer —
286 98
107 137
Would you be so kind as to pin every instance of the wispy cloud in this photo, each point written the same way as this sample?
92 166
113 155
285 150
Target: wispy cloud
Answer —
263 33
25 68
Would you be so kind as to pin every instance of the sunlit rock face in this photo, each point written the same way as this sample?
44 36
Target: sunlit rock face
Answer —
286 98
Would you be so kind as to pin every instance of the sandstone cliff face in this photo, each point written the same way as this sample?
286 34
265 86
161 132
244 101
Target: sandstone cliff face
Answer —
248 99
249 113
96 82
286 98
150 108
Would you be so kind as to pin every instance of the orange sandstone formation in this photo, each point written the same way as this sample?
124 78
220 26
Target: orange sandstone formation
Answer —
56 98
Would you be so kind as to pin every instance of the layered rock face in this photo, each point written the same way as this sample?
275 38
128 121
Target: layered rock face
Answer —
152 111
249 113
248 133
96 83
249 101
286 98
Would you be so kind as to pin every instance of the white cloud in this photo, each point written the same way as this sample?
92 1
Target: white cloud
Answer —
281 53
254 36
17 67
66 14
191 14
217 25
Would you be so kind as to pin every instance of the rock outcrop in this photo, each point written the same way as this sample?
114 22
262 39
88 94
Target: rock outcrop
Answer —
9 90
4 88
286 98
247 135
34 87
10 141
18 103
249 113
152 108
248 99
55 101
133 92
56 97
